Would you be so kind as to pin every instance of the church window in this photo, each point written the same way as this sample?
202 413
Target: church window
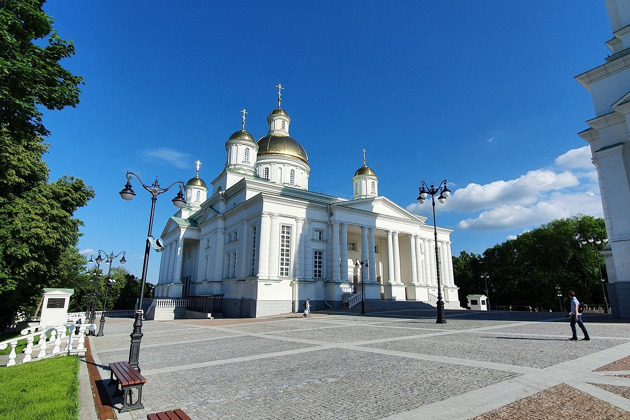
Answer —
352 246
376 249
318 260
292 177
228 264
198 196
373 187
280 175
318 234
246 160
266 173
356 187
253 266
284 125
285 251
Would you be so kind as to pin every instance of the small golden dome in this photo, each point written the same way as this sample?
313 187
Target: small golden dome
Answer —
242 135
281 145
279 111
364 170
196 182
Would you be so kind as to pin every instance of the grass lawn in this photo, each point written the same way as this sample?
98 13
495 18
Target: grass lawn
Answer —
45 389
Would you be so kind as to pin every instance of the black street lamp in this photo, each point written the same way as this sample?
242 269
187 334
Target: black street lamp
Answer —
596 242
485 278
91 313
444 193
179 202
365 264
559 294
108 260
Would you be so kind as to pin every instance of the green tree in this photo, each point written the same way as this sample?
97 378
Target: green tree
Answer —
37 227
527 270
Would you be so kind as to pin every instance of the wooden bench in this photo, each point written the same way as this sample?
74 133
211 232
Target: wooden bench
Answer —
169 415
129 380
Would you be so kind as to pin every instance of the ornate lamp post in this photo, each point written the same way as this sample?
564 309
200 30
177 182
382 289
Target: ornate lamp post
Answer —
444 193
364 265
485 278
559 294
91 313
108 260
128 194
596 242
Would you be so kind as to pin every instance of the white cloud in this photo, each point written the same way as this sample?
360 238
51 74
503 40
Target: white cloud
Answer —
517 192
175 158
559 205
88 251
576 159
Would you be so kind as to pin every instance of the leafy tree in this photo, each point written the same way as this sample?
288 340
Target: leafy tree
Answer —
37 227
527 270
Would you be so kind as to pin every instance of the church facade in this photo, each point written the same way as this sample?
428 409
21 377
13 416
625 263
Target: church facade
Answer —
260 238
609 138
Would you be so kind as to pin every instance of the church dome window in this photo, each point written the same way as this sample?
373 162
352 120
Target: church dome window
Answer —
292 177
266 173
373 188
246 159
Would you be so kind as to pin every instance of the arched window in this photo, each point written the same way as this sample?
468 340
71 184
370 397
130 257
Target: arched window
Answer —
266 173
292 177
373 187
246 160
356 187
198 195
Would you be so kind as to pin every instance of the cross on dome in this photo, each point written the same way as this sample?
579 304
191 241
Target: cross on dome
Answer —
243 123
364 157
280 88
198 164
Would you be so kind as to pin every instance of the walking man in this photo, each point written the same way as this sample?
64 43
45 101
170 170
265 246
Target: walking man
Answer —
576 317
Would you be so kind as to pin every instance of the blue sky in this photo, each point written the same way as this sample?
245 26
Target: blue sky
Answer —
481 93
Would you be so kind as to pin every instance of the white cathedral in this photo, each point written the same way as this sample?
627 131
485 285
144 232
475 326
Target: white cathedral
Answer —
258 236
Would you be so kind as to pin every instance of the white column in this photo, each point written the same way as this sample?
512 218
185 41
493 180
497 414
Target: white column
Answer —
308 252
178 262
262 248
390 258
242 260
344 252
299 252
372 255
429 260
273 245
419 258
414 262
335 252
396 259
364 244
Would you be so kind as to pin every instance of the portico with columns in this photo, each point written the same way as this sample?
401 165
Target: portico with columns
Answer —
266 243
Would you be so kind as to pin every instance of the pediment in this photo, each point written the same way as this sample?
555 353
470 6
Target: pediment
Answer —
177 224
382 206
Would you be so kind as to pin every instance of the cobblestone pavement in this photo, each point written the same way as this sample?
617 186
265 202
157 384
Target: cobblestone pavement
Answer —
341 365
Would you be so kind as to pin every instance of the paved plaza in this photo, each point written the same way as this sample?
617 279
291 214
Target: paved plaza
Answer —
395 364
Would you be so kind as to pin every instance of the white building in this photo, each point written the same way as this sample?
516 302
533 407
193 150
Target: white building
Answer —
608 136
258 236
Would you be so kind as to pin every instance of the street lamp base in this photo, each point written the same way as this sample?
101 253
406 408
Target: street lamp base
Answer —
136 337
440 313
101 326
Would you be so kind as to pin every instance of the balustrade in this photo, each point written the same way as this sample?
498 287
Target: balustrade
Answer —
354 300
65 339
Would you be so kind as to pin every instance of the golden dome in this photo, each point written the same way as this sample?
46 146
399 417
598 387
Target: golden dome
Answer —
196 182
279 111
281 145
364 170
241 135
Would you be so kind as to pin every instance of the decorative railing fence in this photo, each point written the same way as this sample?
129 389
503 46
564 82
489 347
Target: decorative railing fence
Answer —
51 341
355 300
206 304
